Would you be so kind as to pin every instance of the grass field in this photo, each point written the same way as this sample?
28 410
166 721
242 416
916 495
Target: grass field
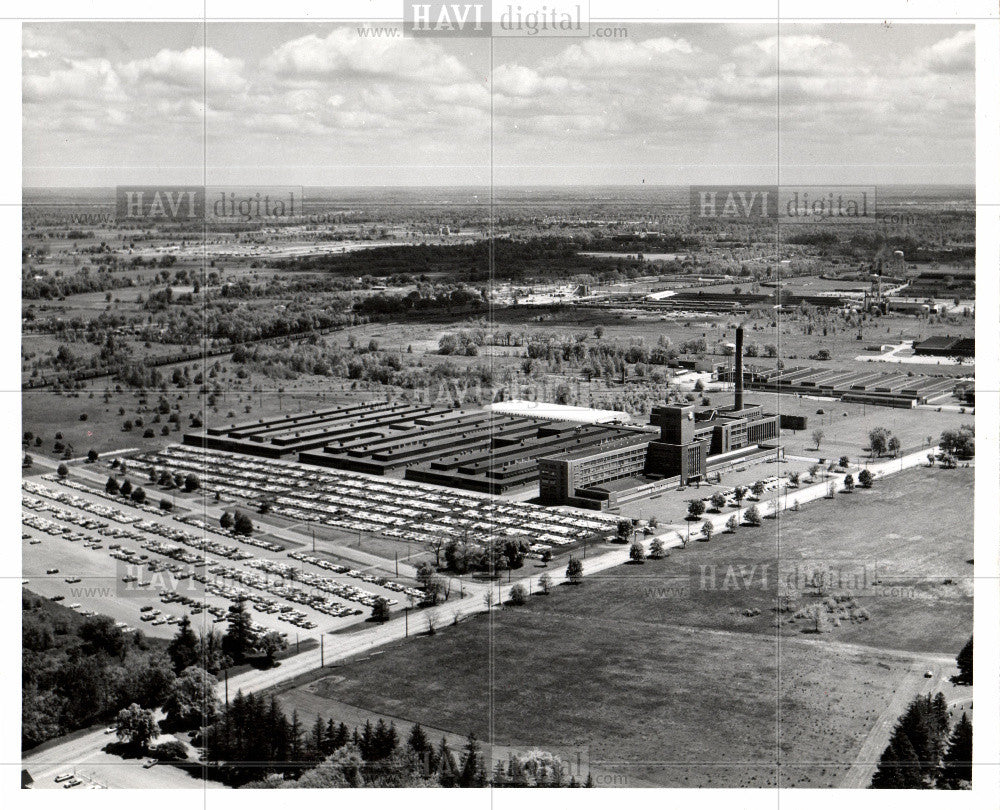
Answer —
663 682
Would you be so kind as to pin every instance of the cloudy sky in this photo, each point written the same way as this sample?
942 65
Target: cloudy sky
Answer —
106 104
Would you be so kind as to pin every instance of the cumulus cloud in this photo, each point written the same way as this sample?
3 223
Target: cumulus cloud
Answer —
955 54
712 95
343 54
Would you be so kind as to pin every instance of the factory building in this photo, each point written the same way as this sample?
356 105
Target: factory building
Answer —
693 441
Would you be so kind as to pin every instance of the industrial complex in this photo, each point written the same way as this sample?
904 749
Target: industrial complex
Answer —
598 466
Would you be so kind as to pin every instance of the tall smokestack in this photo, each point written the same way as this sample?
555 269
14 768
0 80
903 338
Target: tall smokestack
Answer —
738 368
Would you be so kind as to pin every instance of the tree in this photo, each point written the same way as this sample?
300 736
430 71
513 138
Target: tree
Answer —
430 583
545 582
136 727
961 442
226 520
696 508
111 487
62 470
623 530
707 529
574 571
848 483
518 594
733 523
242 524
92 456
183 648
473 773
757 489
139 495
817 437
752 516
272 643
894 446
380 610
718 501
865 479
739 493
878 441
656 548
793 479
191 482
956 770
637 553
191 701
546 556
240 639
422 750
964 661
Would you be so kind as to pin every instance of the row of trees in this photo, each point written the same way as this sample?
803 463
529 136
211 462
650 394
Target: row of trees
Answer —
253 743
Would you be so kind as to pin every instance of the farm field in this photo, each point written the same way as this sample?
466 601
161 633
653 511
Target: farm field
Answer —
633 666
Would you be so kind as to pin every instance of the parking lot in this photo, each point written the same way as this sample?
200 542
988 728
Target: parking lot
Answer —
392 508
100 554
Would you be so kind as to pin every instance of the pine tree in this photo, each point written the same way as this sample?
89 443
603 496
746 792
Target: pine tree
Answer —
367 742
956 773
910 770
183 649
887 775
329 738
472 768
447 772
317 740
964 661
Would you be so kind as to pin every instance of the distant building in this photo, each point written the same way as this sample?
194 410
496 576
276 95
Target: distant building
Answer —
957 283
946 346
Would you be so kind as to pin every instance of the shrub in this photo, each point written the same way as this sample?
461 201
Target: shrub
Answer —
518 594
173 750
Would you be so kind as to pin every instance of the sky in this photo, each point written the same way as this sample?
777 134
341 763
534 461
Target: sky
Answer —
319 104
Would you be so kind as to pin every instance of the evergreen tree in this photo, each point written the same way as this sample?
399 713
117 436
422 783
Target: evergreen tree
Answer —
317 739
240 639
908 763
964 662
183 649
956 773
472 774
447 772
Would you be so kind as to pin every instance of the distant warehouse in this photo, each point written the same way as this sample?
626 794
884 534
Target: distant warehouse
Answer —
946 346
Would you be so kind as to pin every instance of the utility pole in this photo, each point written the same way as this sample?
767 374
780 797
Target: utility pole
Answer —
321 652
406 619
